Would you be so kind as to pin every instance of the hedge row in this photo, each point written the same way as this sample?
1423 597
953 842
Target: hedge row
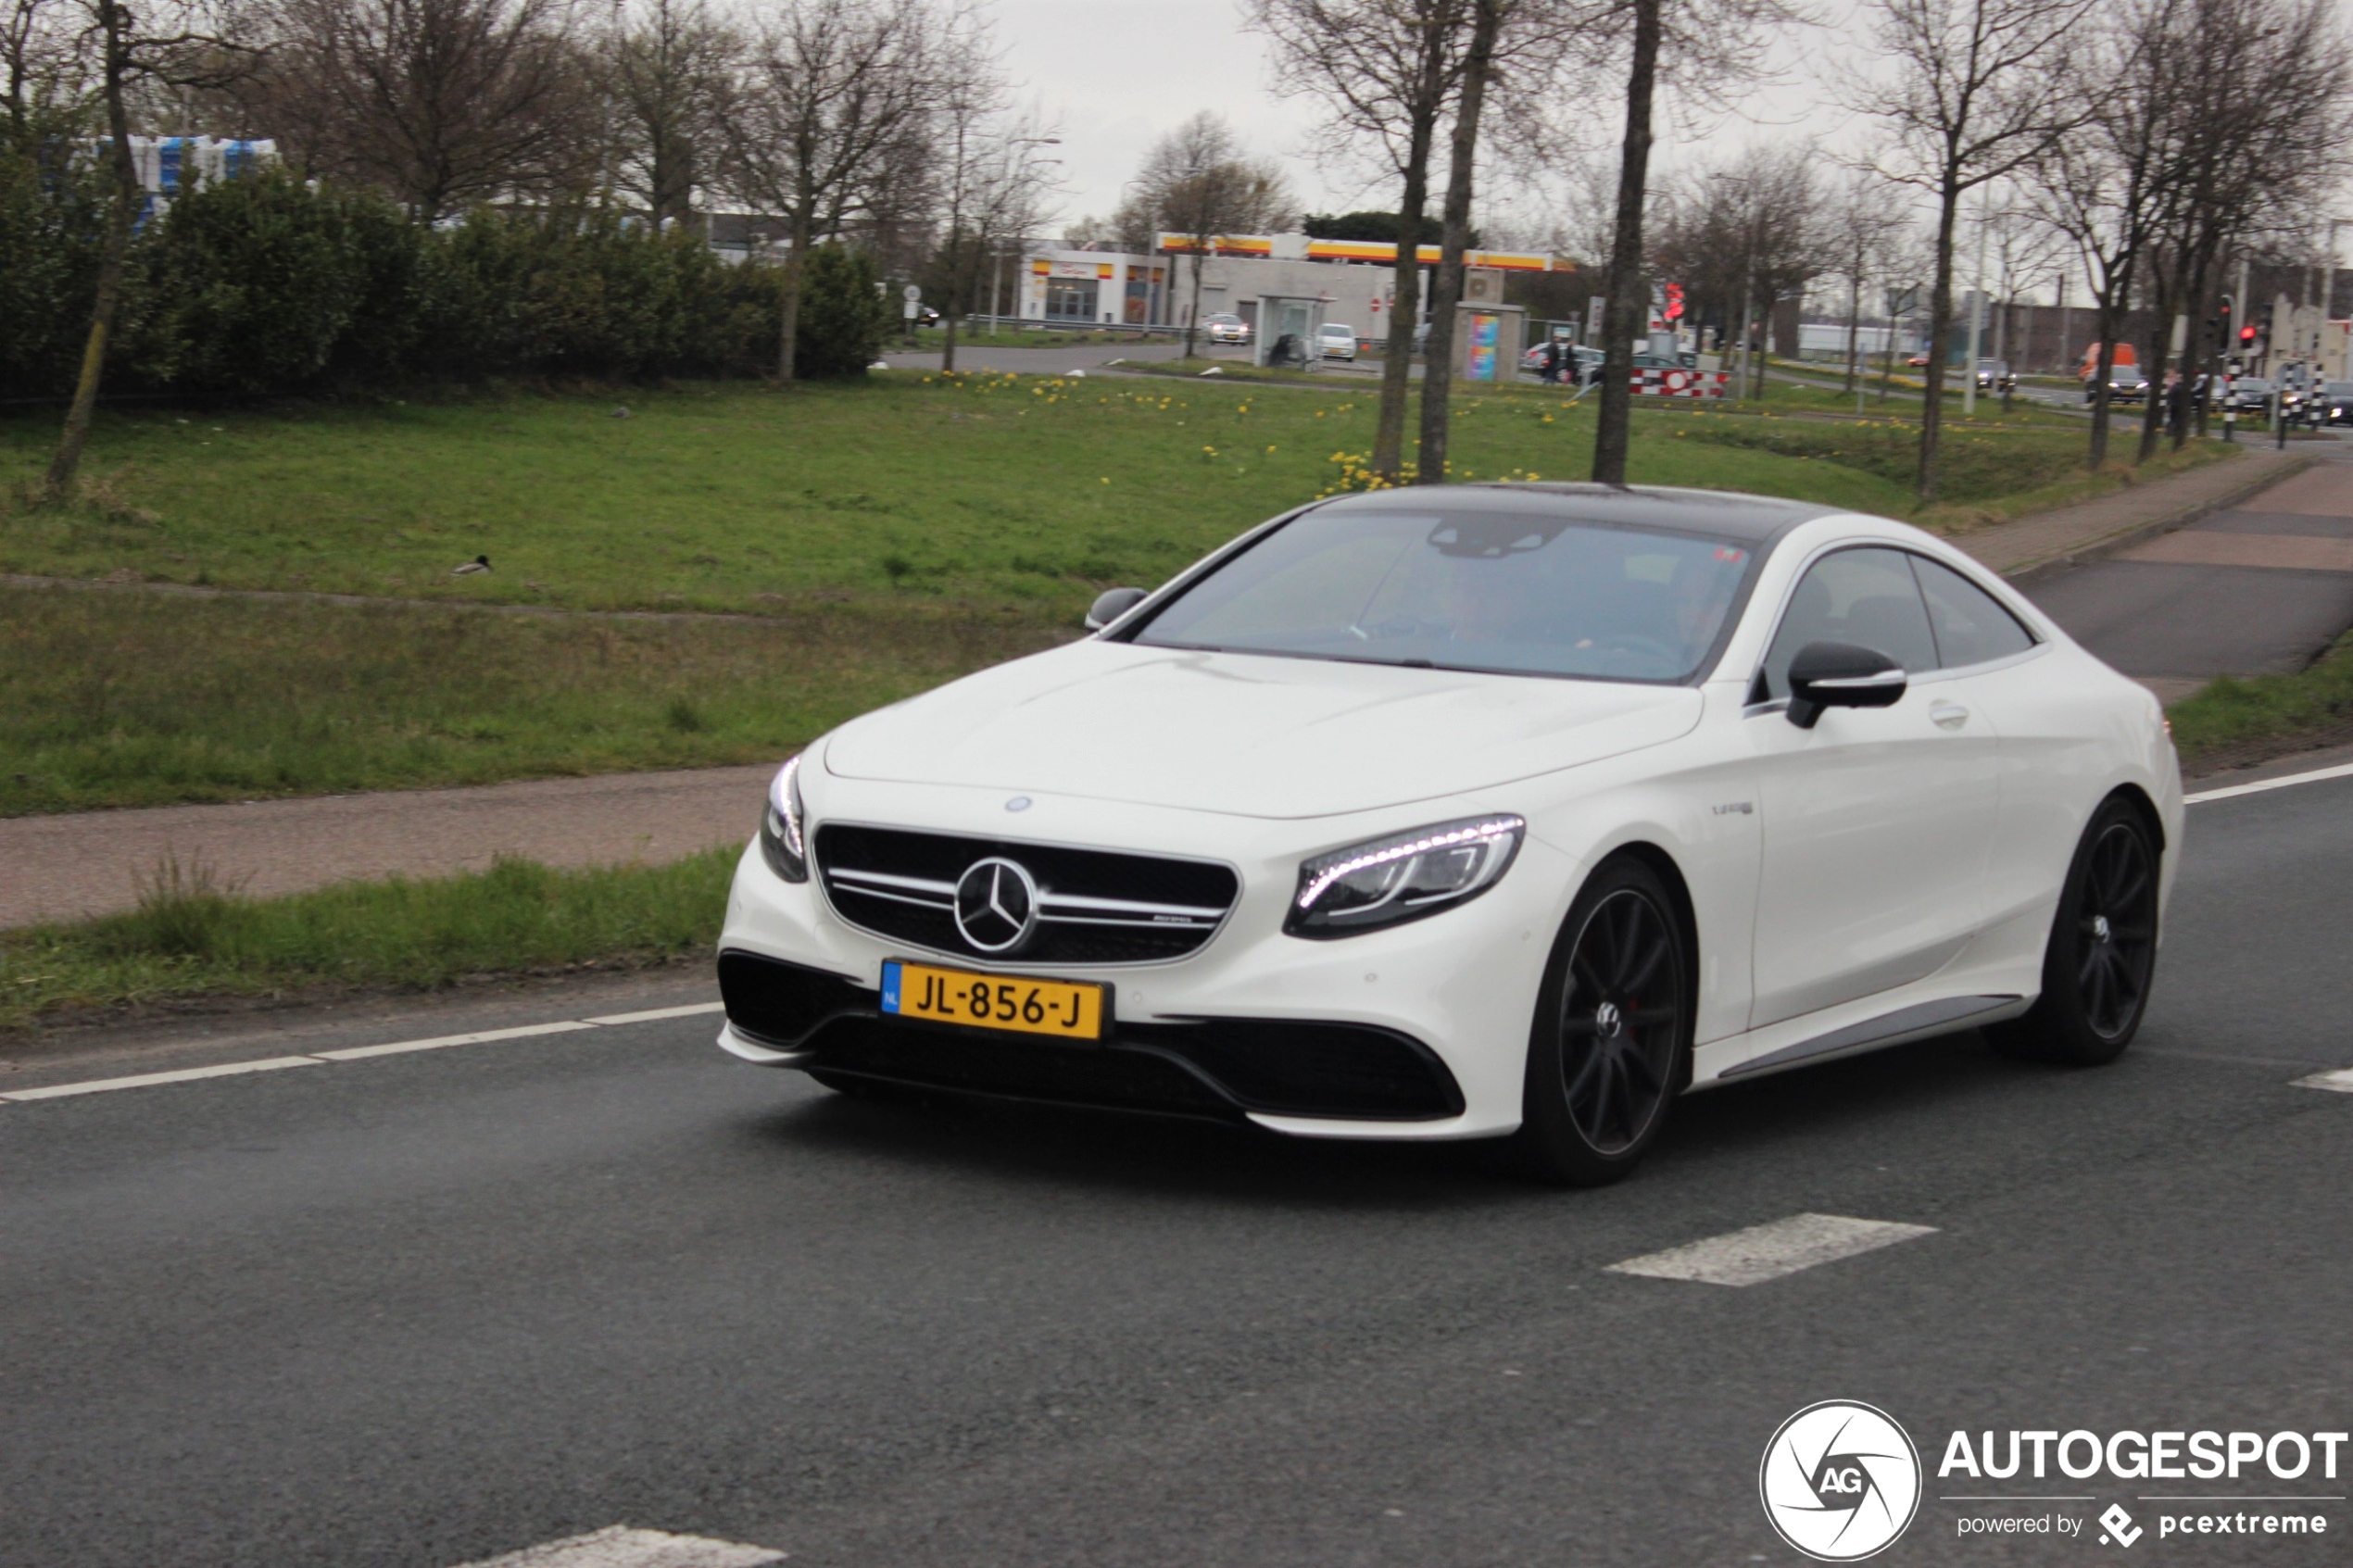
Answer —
267 285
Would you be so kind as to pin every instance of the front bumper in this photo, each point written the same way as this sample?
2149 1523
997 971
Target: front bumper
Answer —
1229 1069
1418 1032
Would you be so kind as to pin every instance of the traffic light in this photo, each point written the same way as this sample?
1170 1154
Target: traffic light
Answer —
2246 333
1674 302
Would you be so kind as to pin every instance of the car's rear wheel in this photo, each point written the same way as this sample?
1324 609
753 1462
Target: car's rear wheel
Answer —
1611 1044
2102 953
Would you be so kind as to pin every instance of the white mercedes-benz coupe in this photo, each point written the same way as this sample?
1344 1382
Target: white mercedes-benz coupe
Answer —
1475 811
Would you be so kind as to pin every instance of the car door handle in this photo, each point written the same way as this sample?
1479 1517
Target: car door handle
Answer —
1949 715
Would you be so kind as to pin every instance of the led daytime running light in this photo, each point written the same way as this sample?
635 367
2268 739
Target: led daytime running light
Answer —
1495 828
785 796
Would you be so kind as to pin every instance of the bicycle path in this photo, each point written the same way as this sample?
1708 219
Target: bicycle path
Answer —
2260 587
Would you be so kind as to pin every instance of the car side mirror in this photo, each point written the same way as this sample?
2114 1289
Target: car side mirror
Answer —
1841 675
1111 604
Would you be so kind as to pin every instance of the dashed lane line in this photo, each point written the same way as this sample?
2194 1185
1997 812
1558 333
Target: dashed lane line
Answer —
1771 1250
2232 791
443 1042
357 1053
2341 1080
621 1547
148 1080
654 1015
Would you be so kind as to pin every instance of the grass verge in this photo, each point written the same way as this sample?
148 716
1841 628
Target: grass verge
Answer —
191 939
992 488
115 698
880 537
2254 716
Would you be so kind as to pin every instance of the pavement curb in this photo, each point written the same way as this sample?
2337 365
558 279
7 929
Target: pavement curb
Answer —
2134 532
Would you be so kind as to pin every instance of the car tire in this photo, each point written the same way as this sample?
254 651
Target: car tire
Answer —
1610 1046
2102 952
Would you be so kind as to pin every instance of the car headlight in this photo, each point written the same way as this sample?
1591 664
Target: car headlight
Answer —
781 842
1390 881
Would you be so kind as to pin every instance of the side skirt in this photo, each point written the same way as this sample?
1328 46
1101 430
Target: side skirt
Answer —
1920 1022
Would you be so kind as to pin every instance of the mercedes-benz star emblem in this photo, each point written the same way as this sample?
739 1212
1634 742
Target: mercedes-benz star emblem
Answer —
996 905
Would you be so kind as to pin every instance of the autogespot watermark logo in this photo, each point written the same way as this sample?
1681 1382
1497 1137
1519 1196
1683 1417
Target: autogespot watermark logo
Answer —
1840 1481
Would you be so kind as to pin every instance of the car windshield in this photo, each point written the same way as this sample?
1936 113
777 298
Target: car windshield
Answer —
1515 593
1332 331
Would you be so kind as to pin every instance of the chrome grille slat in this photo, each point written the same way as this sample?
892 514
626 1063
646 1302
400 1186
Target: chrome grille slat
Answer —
1094 906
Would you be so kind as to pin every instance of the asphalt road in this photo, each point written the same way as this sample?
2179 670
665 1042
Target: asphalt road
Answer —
424 1309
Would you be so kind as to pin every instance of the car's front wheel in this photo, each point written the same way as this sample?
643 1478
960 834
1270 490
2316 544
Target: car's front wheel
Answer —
1611 1044
2102 952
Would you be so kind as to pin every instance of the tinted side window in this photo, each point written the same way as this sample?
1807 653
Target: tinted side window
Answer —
1970 624
1864 597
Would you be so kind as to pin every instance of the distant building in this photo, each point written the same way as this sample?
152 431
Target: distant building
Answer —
169 164
1353 278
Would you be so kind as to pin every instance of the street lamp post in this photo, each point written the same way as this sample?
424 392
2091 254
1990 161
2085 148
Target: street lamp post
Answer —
1976 320
997 274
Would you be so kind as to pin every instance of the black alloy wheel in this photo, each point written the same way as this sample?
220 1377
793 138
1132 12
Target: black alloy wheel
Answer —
1611 1044
2115 929
2102 954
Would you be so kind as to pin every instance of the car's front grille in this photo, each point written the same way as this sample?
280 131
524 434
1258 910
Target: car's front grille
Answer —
1093 905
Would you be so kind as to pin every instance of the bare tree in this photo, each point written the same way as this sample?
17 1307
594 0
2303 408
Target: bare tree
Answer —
126 51
44 73
1487 17
1739 234
1013 192
1623 315
443 103
2105 186
1196 182
1862 230
2265 84
1704 45
1513 49
1386 70
1978 90
994 184
665 68
837 93
2016 246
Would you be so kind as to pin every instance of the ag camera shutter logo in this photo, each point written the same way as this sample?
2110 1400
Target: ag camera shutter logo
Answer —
1840 1481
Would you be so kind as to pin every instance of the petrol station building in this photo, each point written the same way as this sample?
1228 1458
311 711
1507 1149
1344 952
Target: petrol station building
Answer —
1354 279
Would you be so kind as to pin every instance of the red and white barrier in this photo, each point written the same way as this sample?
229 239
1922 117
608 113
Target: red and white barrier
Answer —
1679 383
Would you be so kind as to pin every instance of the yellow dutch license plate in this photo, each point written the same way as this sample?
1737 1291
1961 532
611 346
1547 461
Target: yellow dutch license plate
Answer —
993 1002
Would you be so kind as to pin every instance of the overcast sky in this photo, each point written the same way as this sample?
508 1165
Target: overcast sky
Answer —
1115 75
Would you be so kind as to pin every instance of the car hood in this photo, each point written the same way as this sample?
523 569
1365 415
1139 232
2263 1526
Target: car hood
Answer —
1249 736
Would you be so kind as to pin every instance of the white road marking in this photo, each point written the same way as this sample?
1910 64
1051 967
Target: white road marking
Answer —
655 1014
2315 776
2341 1080
442 1042
621 1547
359 1053
145 1080
1769 1252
